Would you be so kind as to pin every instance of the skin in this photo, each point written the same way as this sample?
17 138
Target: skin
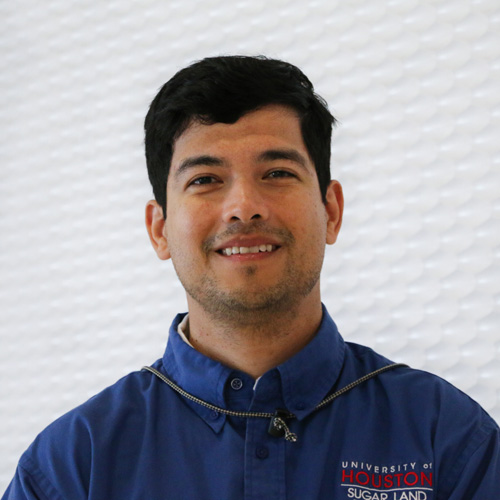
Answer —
247 184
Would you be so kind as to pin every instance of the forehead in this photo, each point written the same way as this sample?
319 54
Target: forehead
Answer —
268 127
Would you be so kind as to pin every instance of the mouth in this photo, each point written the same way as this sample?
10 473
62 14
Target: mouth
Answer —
234 250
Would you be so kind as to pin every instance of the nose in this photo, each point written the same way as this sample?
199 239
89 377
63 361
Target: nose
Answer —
244 202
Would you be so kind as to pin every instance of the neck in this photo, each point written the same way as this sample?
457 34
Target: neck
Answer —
258 343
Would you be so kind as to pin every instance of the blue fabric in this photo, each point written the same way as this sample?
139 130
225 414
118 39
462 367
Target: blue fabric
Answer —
403 435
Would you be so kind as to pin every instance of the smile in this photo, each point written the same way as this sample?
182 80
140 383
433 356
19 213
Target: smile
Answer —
243 250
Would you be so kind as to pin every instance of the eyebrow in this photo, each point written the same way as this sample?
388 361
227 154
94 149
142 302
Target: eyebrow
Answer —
196 161
283 154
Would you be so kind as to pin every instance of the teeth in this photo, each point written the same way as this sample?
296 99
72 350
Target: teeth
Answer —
243 250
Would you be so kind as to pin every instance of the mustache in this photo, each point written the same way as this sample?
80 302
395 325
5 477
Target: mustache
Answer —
239 228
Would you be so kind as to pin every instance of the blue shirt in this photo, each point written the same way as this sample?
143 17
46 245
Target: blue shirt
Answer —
403 435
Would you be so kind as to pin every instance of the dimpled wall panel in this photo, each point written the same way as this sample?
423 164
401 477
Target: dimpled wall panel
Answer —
415 273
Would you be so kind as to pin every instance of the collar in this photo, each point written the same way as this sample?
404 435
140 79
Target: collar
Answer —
182 330
299 384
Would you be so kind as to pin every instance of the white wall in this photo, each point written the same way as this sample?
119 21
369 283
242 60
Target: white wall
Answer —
415 274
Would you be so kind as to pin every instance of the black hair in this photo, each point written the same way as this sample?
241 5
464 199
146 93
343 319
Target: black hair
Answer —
223 89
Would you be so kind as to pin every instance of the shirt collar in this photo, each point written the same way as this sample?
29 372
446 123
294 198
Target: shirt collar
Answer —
310 375
304 380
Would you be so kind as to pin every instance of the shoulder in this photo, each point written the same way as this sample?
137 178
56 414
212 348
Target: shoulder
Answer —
68 447
425 412
420 402
418 396
130 394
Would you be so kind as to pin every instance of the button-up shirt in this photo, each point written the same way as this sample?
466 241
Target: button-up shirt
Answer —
404 434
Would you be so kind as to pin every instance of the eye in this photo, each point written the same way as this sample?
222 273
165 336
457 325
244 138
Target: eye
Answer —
278 174
203 180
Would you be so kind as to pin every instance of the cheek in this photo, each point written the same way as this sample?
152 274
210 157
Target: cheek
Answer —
302 208
311 221
188 226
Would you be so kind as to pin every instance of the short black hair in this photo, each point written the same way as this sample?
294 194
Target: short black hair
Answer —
223 89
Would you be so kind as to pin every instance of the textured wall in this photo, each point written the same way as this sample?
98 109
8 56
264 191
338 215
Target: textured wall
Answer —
415 274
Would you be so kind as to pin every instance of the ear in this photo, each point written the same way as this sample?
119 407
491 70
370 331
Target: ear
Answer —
334 208
156 226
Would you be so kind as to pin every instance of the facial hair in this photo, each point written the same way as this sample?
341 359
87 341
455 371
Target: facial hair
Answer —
239 306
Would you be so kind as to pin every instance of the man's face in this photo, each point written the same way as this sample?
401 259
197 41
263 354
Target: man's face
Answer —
246 227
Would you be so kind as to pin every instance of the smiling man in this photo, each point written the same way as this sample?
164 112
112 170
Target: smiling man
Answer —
257 395
246 230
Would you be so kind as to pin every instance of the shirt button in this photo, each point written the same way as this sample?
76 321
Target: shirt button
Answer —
262 452
214 415
299 405
236 384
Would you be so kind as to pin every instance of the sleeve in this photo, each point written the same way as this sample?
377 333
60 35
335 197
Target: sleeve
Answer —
30 485
478 477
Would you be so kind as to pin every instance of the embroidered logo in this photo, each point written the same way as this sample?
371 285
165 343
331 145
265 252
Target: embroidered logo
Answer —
404 481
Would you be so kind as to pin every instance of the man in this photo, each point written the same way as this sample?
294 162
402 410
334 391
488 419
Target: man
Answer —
257 396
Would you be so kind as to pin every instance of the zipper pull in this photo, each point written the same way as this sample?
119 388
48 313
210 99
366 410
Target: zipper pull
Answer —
278 426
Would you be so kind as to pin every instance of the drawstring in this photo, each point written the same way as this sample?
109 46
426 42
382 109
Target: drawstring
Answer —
278 425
